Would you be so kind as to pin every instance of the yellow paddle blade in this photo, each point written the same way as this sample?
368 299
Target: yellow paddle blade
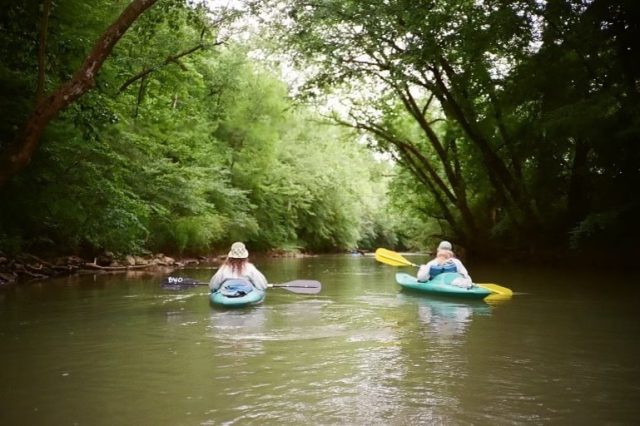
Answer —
395 259
497 289
496 299
392 258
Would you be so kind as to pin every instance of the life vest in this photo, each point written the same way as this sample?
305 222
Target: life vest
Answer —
435 270
236 287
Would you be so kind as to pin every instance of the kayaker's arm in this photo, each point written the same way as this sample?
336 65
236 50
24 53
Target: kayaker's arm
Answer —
461 269
423 272
259 281
217 279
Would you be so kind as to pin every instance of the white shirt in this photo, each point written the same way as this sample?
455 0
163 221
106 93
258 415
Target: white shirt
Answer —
249 272
423 272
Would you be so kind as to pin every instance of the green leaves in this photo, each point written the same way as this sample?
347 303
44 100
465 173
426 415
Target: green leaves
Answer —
197 152
517 120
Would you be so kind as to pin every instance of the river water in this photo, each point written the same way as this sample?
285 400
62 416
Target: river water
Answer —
120 350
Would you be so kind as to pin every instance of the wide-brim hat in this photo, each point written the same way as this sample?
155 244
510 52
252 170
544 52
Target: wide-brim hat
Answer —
238 251
445 245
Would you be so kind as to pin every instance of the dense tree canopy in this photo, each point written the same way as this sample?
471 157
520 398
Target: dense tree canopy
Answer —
516 121
141 125
184 144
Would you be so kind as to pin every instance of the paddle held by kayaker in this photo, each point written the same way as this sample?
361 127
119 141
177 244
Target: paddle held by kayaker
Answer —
237 266
445 261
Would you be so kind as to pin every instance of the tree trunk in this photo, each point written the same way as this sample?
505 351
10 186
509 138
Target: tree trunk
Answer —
455 180
507 188
42 50
577 194
19 152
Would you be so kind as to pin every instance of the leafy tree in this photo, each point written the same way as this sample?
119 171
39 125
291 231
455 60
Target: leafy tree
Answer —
17 154
499 110
183 146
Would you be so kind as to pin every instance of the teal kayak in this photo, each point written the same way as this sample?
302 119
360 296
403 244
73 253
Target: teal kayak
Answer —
236 294
441 285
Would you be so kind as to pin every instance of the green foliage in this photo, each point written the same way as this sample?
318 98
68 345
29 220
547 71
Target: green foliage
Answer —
530 136
200 151
197 233
537 107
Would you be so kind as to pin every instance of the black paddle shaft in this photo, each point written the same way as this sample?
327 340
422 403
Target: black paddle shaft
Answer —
180 282
296 286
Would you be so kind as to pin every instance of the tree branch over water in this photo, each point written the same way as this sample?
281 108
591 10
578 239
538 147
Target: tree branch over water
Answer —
171 59
18 153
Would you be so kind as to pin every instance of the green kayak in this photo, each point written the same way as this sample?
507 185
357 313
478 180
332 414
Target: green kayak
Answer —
441 285
236 294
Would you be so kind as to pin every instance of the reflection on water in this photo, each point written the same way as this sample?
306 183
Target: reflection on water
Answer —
238 323
497 299
106 350
447 318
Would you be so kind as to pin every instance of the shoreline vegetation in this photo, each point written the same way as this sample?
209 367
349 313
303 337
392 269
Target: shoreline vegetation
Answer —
28 267
183 137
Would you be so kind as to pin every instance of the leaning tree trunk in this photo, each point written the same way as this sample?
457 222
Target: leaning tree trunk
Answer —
18 153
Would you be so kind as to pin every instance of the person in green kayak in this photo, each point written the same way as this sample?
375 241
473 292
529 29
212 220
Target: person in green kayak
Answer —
237 266
445 261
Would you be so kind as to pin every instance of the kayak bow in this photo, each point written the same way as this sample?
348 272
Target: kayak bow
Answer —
442 286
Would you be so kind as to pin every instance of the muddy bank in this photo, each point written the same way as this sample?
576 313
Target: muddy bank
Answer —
27 267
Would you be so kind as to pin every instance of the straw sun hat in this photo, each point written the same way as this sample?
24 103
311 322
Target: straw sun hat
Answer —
238 251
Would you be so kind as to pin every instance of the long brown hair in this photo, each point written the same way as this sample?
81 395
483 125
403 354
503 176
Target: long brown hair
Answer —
237 265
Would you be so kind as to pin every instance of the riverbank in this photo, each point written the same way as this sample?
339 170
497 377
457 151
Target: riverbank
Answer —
28 267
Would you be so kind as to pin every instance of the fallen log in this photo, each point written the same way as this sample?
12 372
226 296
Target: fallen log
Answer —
116 268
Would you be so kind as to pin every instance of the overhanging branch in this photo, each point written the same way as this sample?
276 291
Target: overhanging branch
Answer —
171 59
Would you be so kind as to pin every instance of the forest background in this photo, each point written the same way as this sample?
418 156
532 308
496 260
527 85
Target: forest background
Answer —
509 128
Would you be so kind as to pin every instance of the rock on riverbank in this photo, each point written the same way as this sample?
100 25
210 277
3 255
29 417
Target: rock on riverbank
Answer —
26 267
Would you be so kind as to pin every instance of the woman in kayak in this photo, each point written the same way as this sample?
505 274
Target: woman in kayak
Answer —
237 266
445 262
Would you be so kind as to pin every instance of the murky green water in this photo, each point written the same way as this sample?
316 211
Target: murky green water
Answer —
118 350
